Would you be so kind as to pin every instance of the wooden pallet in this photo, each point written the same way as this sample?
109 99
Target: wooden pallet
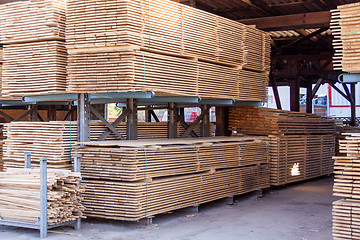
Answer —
266 121
34 68
169 27
346 220
32 20
115 69
20 195
346 32
133 201
168 158
299 157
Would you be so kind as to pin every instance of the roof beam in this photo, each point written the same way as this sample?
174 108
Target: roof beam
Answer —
293 21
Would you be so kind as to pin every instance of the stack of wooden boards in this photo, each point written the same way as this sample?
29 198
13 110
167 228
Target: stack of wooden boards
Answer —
166 47
340 131
131 180
346 31
301 145
20 196
55 140
34 55
346 216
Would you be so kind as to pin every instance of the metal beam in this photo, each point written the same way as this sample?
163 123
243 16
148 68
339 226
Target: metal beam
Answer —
193 125
353 105
6 116
276 92
185 125
350 78
132 120
340 92
153 114
295 95
107 124
205 124
309 97
83 115
290 22
316 88
300 40
172 124
121 118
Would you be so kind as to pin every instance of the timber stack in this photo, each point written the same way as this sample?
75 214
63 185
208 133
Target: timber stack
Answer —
301 145
55 140
34 54
346 31
150 45
20 196
131 180
346 211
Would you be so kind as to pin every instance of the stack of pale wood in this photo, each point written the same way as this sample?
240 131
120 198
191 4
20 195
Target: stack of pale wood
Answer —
266 121
56 139
115 69
120 161
53 140
20 196
150 45
34 57
33 68
300 157
346 30
346 185
166 26
301 145
131 180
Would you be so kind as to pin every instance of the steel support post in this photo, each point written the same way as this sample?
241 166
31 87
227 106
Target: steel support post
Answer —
43 197
83 109
27 159
309 97
132 120
353 105
222 121
295 95
77 168
52 113
205 124
33 115
171 121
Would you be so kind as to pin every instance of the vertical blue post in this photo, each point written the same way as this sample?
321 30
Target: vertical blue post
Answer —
77 168
43 197
27 159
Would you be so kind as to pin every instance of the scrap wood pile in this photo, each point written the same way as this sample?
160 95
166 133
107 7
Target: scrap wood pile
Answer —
56 139
130 180
346 185
150 45
346 31
34 54
301 145
20 195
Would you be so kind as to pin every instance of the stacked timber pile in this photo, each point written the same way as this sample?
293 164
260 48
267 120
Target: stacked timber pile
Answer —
150 45
20 196
340 131
346 185
301 145
34 55
266 121
1 148
53 140
345 29
56 139
131 180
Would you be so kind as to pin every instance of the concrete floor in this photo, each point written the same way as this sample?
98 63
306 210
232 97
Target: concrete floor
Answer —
299 211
